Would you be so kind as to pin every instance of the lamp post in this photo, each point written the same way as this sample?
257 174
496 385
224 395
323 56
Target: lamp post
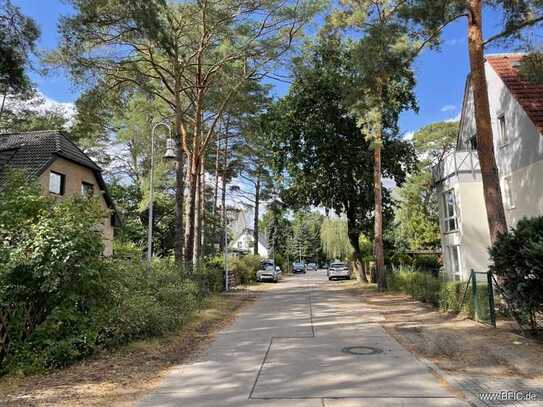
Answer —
170 155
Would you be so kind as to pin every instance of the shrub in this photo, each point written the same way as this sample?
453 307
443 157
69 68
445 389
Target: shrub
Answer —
517 261
427 262
61 301
249 265
424 287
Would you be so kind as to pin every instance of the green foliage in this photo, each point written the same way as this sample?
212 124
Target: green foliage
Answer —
517 261
245 268
277 227
334 239
424 287
305 238
531 68
318 146
434 141
417 214
18 36
60 300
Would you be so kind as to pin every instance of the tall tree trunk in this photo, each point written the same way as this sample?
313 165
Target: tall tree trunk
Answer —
192 182
257 208
197 220
3 104
495 212
223 197
378 250
179 198
216 192
354 235
202 219
5 339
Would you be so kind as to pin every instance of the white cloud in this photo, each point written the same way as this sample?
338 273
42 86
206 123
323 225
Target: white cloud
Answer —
408 135
42 103
454 41
453 119
448 108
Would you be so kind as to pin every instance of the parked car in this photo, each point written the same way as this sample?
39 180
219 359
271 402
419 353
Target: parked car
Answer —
338 270
311 267
268 272
298 267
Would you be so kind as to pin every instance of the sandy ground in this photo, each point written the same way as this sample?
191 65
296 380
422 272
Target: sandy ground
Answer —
454 342
121 376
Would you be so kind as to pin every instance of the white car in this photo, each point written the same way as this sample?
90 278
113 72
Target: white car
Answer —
338 270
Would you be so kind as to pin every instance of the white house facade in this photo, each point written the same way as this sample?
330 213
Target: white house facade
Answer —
244 243
516 109
243 230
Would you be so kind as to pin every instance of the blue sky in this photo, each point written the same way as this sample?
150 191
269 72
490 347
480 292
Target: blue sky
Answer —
440 75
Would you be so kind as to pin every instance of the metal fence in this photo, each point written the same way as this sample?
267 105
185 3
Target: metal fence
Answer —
479 297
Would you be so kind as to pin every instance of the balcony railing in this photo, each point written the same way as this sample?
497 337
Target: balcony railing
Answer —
455 163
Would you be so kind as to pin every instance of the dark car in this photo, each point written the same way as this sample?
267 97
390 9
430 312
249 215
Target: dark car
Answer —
298 267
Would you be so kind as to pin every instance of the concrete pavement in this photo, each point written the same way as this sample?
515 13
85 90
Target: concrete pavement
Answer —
305 342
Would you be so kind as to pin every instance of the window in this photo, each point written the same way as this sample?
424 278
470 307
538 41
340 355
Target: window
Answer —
449 211
87 189
502 129
508 191
56 183
240 244
454 262
473 142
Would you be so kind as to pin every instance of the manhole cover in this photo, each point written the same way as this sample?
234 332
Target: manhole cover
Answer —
362 350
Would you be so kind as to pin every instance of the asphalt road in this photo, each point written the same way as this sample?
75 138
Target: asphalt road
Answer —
305 342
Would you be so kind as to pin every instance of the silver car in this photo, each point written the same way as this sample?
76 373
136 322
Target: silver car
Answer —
269 273
338 270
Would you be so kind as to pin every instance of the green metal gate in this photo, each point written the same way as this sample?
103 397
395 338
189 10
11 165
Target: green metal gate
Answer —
479 297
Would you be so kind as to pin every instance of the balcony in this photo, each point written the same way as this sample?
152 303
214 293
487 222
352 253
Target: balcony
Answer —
455 163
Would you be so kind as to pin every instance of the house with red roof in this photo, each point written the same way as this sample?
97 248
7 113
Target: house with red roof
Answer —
516 109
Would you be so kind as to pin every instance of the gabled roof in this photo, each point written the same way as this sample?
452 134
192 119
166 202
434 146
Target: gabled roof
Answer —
34 151
529 95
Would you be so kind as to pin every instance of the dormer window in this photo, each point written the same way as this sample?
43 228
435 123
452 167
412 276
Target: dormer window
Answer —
57 183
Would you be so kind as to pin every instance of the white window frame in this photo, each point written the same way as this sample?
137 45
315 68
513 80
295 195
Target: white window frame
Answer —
447 217
502 130
87 189
456 272
508 190
61 185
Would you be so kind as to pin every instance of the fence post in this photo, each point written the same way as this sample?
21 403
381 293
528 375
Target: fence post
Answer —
491 298
475 299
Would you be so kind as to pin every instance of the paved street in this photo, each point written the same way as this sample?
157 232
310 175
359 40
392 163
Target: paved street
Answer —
305 342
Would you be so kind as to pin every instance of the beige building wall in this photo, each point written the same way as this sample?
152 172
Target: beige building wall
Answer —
474 226
526 193
472 235
75 174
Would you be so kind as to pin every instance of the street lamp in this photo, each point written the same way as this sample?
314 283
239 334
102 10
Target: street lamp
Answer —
169 155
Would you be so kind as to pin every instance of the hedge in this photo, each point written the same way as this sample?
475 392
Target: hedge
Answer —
423 286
